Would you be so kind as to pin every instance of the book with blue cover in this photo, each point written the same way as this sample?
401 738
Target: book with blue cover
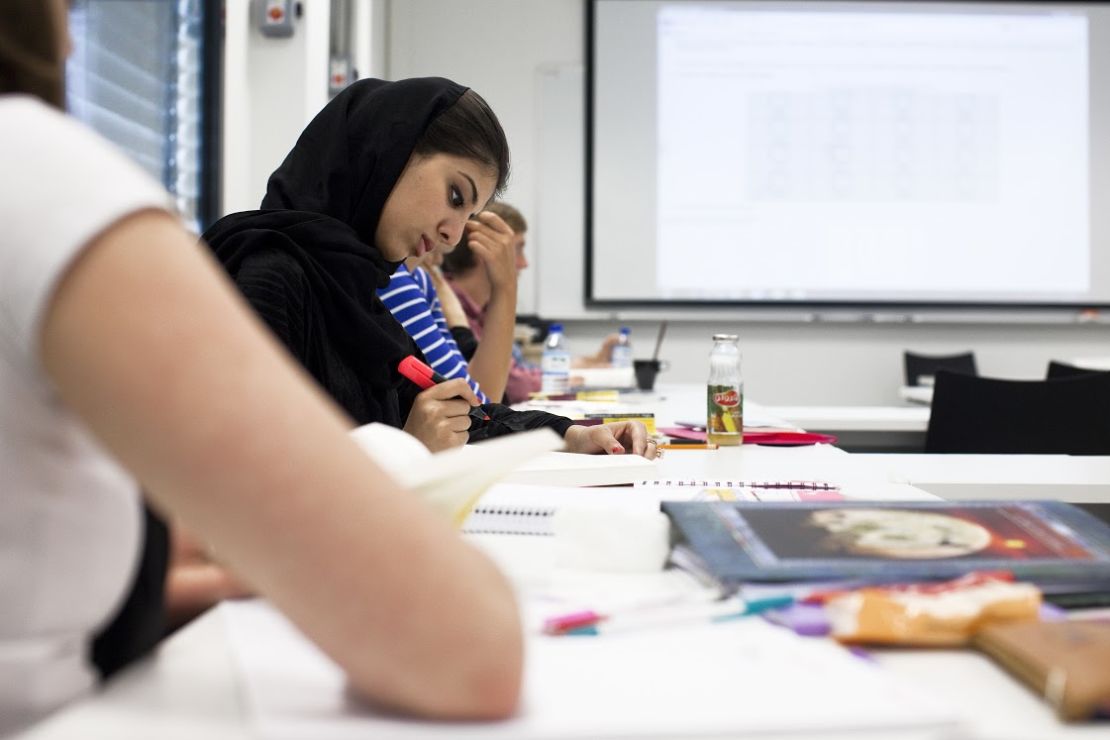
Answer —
1047 542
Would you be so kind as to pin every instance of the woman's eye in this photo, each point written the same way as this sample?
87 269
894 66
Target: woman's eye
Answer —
456 197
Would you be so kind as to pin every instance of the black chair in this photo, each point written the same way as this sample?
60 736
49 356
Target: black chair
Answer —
1057 370
918 365
976 415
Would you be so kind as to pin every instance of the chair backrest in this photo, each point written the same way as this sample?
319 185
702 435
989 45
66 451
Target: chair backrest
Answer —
976 415
1058 370
918 365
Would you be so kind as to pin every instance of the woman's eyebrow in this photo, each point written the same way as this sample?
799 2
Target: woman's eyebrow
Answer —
473 187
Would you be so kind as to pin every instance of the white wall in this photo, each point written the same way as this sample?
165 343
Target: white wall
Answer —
272 88
504 49
514 52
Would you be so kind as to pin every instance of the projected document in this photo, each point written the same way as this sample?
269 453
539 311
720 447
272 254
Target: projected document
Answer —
811 155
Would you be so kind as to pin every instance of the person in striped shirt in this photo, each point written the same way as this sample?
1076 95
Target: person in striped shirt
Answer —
413 301
453 350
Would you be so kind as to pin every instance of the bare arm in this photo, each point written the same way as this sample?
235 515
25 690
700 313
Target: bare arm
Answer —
148 344
453 312
491 240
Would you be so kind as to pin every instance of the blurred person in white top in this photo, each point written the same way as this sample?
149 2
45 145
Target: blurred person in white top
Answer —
128 360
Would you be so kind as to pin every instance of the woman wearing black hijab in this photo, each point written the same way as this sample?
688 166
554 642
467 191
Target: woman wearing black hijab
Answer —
386 171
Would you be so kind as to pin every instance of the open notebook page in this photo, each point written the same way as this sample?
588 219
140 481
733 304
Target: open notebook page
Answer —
451 481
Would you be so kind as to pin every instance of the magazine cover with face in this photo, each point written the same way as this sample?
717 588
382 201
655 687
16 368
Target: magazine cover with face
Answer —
1044 541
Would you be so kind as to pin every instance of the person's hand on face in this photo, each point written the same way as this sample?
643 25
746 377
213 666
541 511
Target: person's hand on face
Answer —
430 203
440 415
494 244
614 438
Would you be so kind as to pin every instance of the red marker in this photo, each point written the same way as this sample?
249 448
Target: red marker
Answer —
426 377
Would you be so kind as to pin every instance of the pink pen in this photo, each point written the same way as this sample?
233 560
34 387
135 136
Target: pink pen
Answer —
565 623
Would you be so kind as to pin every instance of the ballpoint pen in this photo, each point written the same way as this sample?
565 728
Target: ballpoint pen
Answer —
589 622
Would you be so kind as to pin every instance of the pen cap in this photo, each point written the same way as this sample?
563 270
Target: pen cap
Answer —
417 371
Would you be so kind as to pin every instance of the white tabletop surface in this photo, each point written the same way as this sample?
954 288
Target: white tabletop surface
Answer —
854 418
685 402
189 687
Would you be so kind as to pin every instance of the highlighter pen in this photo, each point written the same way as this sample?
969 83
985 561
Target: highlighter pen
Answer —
425 377
678 444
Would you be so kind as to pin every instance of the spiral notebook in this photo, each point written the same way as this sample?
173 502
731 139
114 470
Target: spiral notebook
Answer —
530 510
709 489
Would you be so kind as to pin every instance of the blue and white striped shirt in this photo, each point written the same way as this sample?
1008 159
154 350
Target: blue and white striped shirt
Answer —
412 299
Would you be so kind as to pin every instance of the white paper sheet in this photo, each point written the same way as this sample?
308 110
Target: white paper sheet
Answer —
738 678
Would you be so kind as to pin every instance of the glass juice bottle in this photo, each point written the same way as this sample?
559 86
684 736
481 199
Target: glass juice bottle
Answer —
725 393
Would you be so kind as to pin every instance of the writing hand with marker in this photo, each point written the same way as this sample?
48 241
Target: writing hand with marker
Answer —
443 413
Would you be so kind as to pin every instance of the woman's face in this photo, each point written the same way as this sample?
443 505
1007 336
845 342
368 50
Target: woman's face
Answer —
430 204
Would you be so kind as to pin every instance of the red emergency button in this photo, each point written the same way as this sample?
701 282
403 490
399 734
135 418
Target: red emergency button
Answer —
276 14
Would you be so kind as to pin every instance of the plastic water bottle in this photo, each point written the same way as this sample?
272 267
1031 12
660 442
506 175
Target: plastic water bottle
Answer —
621 354
555 364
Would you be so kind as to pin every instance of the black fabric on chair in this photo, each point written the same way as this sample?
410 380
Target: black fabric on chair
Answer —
976 415
918 365
1057 370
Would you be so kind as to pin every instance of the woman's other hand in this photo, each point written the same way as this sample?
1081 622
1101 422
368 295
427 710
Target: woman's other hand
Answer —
492 241
614 438
440 415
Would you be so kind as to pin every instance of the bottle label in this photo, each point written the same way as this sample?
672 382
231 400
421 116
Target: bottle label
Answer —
555 372
726 411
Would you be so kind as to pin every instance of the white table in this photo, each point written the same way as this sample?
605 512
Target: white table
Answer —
1091 363
685 402
916 394
863 428
189 688
1071 478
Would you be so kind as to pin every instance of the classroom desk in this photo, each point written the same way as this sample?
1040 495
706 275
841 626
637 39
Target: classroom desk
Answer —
1091 363
1072 478
862 428
189 687
916 394
857 428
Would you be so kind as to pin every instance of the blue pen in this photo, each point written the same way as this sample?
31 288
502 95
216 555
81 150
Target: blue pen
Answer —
712 612
758 606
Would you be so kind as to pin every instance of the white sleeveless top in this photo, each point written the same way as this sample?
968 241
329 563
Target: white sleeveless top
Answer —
70 518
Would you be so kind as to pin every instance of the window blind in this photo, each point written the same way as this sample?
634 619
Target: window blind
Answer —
136 75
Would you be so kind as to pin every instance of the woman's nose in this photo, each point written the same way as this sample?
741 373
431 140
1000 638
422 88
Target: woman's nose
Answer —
451 231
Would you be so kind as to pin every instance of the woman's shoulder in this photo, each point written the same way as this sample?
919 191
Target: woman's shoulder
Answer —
62 151
26 111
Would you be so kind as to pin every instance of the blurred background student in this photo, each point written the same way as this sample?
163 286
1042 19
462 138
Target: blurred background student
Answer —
414 298
477 286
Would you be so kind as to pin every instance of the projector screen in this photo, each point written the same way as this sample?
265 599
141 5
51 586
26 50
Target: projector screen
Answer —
858 154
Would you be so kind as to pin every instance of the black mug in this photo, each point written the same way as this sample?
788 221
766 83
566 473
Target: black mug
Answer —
646 370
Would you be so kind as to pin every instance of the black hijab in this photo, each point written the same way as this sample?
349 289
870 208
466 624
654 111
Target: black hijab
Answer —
316 239
351 155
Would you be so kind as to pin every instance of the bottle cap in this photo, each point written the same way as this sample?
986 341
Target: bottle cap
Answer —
555 327
725 337
625 330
